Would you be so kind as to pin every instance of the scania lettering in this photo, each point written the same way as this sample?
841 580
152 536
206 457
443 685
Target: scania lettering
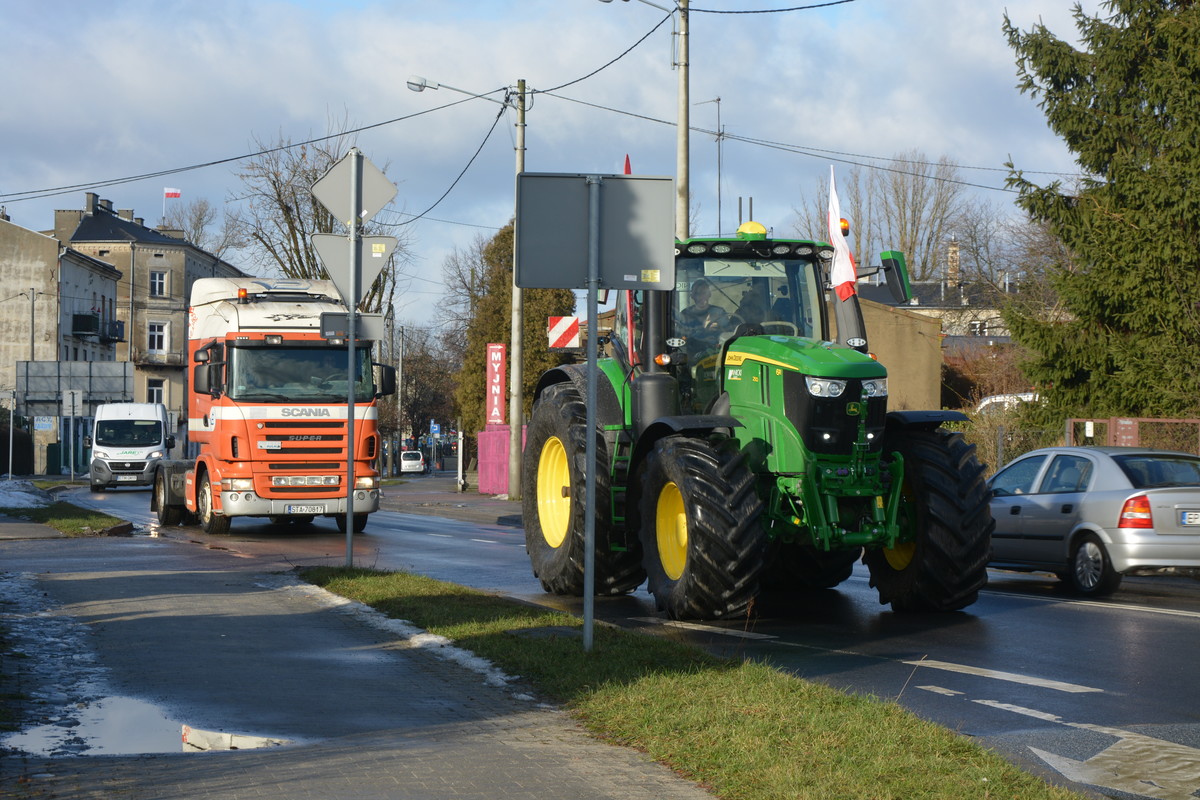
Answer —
268 407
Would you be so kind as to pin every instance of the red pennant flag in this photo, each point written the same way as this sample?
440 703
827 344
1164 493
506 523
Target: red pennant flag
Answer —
628 169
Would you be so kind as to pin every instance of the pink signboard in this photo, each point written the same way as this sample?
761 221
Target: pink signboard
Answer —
495 384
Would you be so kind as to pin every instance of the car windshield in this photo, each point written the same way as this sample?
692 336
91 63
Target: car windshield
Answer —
128 432
1146 471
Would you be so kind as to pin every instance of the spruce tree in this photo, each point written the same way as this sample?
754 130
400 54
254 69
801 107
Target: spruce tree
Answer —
1124 337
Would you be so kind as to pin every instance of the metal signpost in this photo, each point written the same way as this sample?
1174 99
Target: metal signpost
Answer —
353 268
72 407
579 231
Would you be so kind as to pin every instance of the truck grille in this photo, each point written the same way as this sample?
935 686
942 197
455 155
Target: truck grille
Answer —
305 438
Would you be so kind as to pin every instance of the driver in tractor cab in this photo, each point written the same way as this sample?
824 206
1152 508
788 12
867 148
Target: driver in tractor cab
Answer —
701 320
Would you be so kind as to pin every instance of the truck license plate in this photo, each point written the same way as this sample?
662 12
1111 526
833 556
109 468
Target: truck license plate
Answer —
306 509
1189 517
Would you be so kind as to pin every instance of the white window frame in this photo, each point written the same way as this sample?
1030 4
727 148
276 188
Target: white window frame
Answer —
160 331
158 283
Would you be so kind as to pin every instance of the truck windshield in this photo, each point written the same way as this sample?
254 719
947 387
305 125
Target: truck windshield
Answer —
290 374
715 295
129 432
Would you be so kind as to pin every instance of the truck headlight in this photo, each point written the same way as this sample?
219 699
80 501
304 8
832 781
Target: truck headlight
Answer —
875 387
825 387
237 485
366 483
155 454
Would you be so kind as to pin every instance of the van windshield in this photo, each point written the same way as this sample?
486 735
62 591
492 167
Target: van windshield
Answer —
129 432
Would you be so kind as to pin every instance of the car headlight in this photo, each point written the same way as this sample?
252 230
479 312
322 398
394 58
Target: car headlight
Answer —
155 454
875 387
825 387
100 454
366 483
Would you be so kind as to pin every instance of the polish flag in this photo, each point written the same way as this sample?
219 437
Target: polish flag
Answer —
171 193
843 275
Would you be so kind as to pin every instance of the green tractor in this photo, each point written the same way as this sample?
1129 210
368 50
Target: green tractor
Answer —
741 453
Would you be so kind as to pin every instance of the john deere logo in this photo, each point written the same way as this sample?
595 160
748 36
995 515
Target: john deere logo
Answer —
853 409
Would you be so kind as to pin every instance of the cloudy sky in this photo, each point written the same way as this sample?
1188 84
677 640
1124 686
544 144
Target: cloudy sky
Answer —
99 92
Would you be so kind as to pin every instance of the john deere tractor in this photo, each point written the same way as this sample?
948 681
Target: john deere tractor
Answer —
741 452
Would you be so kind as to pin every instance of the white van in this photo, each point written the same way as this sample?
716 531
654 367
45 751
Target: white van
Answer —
128 440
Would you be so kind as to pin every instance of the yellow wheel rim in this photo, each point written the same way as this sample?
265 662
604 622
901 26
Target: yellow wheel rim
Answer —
554 492
901 555
671 531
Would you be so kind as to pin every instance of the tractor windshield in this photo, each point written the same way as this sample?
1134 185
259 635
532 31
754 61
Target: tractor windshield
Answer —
715 295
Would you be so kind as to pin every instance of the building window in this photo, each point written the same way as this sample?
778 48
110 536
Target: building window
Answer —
156 337
158 284
155 393
979 328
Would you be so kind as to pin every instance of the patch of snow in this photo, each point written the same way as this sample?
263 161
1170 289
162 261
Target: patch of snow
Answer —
23 494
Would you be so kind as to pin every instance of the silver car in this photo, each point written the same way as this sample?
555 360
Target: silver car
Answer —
1092 514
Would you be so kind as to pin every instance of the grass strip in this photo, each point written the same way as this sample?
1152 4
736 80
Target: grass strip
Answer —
65 517
743 729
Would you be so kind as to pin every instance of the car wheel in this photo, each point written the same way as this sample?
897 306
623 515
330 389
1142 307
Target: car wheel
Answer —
1091 571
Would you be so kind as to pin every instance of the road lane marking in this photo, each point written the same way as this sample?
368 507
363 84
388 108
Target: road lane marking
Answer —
1138 764
692 626
1012 677
941 690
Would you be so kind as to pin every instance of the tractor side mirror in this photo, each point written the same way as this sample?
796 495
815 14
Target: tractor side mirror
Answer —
895 271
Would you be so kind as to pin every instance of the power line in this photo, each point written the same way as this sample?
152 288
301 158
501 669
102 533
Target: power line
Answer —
770 10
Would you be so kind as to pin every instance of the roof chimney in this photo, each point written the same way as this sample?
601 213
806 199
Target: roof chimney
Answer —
91 202
125 213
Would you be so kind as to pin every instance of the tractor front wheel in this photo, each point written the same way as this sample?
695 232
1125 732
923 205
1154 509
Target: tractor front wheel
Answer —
554 507
940 563
701 534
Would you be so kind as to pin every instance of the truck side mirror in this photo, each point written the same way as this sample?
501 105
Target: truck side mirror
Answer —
895 270
170 442
385 380
87 441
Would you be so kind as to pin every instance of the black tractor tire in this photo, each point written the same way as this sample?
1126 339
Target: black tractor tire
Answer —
211 522
801 567
1091 572
944 511
554 508
360 522
703 543
168 515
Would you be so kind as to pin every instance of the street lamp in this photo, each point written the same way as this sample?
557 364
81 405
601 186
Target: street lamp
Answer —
683 119
516 355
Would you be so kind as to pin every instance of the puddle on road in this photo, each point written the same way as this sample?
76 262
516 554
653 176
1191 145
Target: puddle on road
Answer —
126 726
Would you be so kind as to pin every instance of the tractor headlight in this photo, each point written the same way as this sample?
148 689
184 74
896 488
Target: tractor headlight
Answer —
825 387
875 387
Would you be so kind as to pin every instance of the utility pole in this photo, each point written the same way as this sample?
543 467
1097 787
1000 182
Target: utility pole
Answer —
682 160
516 403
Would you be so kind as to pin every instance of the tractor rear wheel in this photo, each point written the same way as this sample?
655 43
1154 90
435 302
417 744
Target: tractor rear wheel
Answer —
702 539
946 526
553 502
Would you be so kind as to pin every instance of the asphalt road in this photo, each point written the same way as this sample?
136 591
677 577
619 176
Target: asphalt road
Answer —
1099 692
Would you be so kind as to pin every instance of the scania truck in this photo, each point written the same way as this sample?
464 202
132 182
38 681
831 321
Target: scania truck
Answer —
268 406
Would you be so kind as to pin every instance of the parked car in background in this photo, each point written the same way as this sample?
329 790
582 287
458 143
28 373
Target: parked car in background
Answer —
1092 514
413 461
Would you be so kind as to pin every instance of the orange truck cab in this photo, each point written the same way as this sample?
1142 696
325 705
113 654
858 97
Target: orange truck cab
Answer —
268 406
